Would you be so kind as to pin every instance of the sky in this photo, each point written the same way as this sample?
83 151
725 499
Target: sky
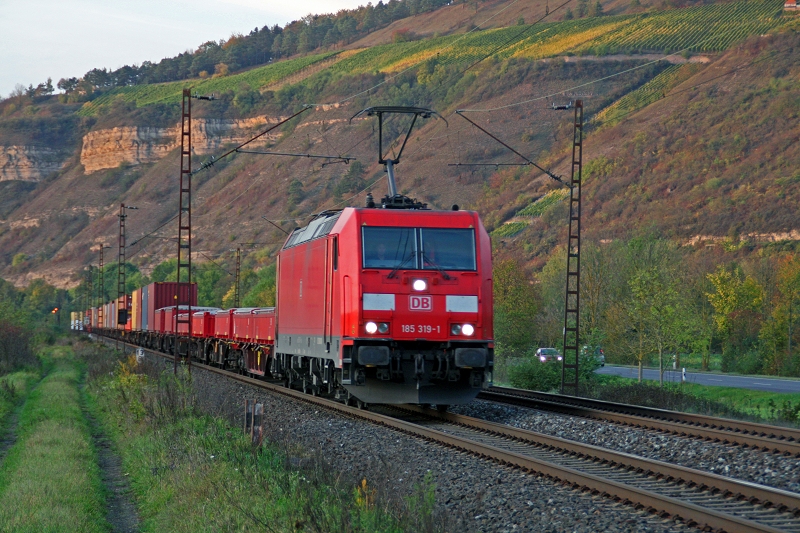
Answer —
67 38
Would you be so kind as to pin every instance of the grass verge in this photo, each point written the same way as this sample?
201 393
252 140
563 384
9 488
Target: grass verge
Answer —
194 473
770 406
727 402
50 480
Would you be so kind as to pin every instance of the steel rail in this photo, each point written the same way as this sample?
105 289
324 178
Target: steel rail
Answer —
762 493
690 513
751 434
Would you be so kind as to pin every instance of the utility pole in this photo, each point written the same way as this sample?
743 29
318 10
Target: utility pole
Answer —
572 303
88 299
100 288
184 295
238 271
122 299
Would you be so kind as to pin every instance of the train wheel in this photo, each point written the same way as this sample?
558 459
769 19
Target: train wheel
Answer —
442 408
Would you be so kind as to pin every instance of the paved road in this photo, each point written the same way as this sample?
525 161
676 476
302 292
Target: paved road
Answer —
702 378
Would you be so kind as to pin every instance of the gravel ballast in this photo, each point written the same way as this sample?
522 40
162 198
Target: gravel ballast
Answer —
765 468
471 494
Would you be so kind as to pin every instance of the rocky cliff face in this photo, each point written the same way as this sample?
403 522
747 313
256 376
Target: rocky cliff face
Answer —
137 145
29 163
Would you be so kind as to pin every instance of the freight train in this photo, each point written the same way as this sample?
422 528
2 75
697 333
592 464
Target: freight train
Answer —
390 303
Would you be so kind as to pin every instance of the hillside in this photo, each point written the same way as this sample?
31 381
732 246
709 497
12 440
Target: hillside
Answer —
702 146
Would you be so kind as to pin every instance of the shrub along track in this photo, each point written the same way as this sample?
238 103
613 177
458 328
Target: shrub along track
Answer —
697 498
748 434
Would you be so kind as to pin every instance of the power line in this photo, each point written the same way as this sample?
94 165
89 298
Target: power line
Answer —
529 162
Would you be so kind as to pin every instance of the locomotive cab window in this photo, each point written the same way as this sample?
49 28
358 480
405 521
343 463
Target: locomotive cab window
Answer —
448 249
390 247
419 248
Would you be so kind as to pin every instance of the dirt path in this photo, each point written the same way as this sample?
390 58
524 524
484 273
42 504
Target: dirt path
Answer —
9 434
121 510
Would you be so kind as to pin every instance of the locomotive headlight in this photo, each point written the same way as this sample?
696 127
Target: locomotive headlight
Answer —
383 327
371 327
467 329
420 285
455 329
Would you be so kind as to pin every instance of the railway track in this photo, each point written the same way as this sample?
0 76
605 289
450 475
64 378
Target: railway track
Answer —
750 434
701 499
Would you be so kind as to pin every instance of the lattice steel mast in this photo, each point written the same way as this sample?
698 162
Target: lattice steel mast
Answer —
238 273
122 301
184 292
572 303
100 291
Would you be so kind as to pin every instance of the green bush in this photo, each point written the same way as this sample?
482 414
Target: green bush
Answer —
530 373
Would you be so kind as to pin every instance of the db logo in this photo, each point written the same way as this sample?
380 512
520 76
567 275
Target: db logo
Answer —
420 303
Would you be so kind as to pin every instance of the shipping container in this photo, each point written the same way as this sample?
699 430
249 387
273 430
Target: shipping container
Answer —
158 320
128 303
223 324
166 316
164 294
183 314
242 324
263 319
203 322
136 310
147 323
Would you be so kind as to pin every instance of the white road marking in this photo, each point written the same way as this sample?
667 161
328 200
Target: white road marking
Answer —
765 384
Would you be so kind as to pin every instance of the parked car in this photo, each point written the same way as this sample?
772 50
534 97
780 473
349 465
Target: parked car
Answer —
546 355
595 352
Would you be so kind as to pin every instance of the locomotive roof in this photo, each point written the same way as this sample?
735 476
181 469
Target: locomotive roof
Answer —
319 227
324 222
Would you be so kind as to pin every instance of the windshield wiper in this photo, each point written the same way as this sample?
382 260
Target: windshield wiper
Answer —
425 258
398 267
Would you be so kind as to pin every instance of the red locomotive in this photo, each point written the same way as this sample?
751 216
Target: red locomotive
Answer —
389 303
395 306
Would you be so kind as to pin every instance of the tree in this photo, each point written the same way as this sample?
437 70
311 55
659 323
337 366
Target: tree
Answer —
659 307
789 286
515 306
67 84
736 300
552 291
778 333
296 193
352 181
597 9
568 14
583 8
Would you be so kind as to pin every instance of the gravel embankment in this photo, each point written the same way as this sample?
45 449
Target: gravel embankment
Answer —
471 494
750 465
